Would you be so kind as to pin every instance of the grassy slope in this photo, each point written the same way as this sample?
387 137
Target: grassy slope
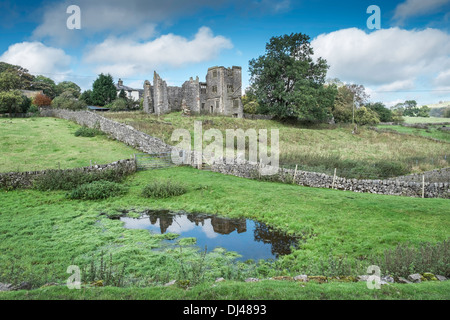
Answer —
40 143
43 233
298 144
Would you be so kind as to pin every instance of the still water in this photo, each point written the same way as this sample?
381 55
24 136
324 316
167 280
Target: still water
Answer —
249 238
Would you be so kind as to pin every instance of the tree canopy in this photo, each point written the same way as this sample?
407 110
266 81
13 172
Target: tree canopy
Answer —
289 83
103 90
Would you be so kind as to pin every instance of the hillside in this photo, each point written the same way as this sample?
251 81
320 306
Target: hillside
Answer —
319 148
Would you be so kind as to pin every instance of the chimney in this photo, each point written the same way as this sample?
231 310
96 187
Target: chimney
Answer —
120 83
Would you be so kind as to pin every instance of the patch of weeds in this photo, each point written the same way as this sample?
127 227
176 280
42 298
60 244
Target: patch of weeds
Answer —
163 189
88 132
97 190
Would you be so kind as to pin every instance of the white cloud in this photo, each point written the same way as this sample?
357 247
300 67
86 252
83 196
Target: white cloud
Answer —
392 58
130 57
39 59
411 8
443 79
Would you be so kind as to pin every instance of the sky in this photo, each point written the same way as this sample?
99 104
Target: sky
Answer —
401 54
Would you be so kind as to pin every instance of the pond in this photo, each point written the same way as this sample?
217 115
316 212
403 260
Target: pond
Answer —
250 239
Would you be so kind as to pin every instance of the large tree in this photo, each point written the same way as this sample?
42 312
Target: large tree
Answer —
288 82
103 90
11 101
68 86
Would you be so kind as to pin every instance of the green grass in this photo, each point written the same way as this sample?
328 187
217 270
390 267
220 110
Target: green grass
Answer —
320 148
44 143
425 120
42 233
432 132
231 290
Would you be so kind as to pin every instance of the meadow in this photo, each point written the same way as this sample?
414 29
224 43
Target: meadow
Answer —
44 232
320 148
29 144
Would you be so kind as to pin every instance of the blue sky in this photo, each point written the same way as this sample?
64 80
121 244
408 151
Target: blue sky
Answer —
408 58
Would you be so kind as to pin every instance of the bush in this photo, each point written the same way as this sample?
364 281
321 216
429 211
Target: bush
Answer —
97 190
70 179
405 260
163 189
67 101
87 132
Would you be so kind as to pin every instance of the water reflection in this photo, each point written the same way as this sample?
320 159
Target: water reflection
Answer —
251 239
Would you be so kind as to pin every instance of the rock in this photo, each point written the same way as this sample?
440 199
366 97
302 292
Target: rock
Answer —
319 279
302 278
403 280
251 280
5 287
441 278
388 279
363 278
22 286
171 283
220 279
429 276
282 278
416 278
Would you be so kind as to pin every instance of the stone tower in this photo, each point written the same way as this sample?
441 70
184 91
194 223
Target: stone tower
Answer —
223 91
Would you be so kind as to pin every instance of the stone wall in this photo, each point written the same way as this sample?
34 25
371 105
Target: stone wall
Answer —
13 180
402 186
397 187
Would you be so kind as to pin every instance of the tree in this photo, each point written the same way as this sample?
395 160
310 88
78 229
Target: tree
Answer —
11 101
446 112
26 79
288 83
9 80
68 86
103 90
45 84
384 113
66 100
123 95
365 116
86 97
249 101
41 100
410 108
424 111
343 105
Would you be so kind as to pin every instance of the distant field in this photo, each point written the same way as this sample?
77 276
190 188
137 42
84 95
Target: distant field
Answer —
431 132
43 143
425 120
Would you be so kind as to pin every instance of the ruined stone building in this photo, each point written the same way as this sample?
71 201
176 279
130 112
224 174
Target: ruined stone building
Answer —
220 94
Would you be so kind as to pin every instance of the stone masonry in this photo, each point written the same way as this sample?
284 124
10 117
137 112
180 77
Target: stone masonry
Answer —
220 94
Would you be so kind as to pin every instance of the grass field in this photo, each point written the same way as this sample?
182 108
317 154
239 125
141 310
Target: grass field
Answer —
42 233
431 132
426 120
43 143
319 148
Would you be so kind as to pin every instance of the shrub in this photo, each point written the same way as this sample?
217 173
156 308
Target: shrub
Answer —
405 260
70 179
97 190
87 132
67 101
41 100
163 189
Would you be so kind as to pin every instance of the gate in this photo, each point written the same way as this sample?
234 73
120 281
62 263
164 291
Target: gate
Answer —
146 161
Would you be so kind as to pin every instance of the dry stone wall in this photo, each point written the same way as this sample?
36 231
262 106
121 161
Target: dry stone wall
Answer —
14 180
402 186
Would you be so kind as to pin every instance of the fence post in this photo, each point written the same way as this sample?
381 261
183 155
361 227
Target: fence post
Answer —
295 172
423 186
334 179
